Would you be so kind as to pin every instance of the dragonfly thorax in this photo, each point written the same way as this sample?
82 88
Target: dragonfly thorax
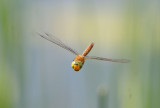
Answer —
76 65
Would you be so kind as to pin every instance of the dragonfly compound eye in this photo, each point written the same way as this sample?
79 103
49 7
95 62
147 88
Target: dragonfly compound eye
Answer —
76 65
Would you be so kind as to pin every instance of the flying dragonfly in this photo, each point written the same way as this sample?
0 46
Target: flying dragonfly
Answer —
79 59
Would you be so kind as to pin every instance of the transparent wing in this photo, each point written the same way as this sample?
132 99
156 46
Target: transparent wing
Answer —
58 42
108 59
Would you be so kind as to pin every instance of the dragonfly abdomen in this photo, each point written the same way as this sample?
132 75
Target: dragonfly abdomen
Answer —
88 49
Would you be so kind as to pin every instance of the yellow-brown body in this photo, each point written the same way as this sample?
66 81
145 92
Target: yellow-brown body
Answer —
79 59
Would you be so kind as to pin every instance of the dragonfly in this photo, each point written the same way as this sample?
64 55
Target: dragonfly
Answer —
79 60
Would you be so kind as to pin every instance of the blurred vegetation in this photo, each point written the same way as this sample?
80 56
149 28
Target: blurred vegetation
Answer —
142 21
11 54
138 87
102 96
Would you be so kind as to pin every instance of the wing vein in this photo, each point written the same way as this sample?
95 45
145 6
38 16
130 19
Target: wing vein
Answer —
108 59
58 42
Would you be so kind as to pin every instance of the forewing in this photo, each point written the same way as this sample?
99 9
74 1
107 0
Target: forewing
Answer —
58 42
108 59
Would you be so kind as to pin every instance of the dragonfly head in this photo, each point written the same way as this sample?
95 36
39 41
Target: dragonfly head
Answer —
76 65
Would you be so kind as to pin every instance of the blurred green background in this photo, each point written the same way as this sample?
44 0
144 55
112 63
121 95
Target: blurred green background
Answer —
37 74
